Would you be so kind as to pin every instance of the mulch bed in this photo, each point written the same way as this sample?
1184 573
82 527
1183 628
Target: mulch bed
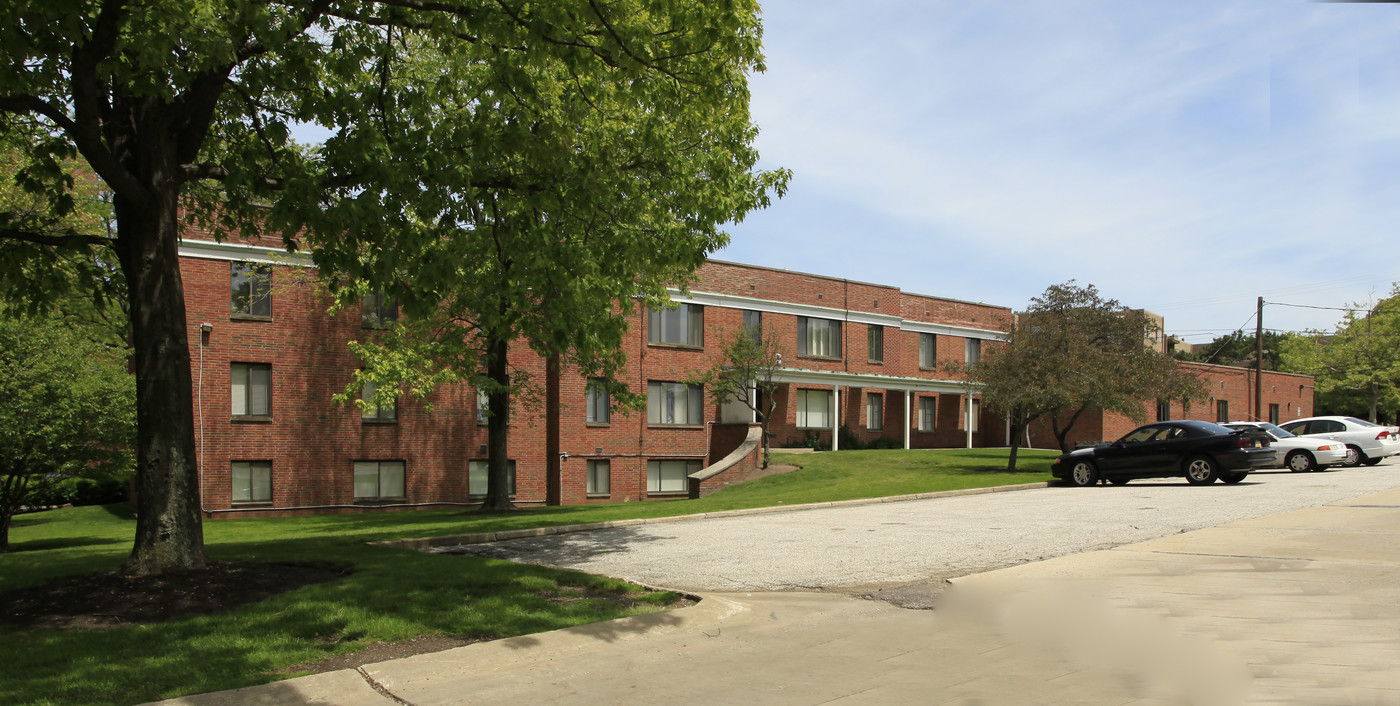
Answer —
112 599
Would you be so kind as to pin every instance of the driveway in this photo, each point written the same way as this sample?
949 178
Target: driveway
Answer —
870 549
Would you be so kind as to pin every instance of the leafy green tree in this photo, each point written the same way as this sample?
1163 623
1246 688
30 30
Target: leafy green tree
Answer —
745 374
460 130
1238 348
69 410
1072 350
1358 367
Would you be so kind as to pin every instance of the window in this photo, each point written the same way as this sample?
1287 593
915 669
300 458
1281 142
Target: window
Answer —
599 477
252 481
476 477
378 311
753 324
251 388
599 402
974 350
483 406
1164 411
928 350
375 409
675 403
1273 414
814 409
820 338
874 411
682 326
669 476
928 413
250 288
1222 411
875 343
378 480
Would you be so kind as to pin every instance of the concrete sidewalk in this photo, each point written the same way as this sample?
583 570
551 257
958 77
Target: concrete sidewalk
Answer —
1297 608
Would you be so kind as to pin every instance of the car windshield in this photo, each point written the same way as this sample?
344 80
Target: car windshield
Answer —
1359 422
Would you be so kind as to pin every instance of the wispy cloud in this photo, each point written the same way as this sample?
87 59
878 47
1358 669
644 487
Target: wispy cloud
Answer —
1184 156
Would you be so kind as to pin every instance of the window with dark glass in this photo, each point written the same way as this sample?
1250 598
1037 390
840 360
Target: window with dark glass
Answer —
1273 414
928 350
1222 411
477 472
665 476
928 413
1164 411
974 350
599 477
250 288
874 411
598 402
675 403
819 338
377 408
378 310
753 325
682 326
875 343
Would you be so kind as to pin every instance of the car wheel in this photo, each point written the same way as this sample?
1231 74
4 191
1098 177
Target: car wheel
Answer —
1371 461
1300 462
1083 473
1119 481
1353 458
1232 478
1200 471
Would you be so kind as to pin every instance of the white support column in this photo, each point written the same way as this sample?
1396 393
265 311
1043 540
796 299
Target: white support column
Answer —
1008 431
967 419
907 413
836 417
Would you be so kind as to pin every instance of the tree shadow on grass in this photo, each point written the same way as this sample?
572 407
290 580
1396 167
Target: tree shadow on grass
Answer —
63 543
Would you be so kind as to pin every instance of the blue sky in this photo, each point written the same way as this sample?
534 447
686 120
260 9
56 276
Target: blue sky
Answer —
1183 156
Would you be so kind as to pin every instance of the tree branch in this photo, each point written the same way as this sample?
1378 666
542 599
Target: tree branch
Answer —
53 240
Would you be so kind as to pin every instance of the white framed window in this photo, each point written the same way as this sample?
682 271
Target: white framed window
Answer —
875 343
250 289
379 480
675 404
928 350
928 413
599 481
666 476
252 482
378 310
598 402
477 473
377 409
250 388
483 406
973 351
874 411
682 326
819 338
814 409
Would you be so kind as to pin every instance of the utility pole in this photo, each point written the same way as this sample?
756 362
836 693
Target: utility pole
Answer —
1259 362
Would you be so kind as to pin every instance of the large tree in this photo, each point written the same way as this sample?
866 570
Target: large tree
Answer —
1073 350
68 408
459 130
745 374
1357 368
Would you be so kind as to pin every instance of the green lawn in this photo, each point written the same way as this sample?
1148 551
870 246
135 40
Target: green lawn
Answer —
394 594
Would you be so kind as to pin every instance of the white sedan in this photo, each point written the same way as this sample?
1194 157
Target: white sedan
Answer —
1298 453
1366 442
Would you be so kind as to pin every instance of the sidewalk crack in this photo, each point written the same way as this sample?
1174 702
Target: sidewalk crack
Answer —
383 690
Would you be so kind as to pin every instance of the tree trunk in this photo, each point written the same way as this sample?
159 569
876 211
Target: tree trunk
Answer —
497 428
1015 444
1062 435
169 533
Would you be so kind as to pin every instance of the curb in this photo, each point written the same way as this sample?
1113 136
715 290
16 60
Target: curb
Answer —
488 537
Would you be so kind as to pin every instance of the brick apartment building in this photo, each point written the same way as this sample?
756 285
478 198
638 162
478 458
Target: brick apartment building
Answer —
268 358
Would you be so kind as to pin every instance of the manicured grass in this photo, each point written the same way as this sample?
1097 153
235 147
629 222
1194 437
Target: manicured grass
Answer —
394 594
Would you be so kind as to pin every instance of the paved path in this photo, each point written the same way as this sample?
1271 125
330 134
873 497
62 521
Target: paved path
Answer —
1297 608
892 543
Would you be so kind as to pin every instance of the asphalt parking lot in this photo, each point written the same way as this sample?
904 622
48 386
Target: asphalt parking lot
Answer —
869 547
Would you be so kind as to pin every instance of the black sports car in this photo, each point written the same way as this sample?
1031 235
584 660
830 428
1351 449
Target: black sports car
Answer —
1200 451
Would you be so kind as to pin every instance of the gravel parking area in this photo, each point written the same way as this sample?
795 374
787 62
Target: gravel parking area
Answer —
867 548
